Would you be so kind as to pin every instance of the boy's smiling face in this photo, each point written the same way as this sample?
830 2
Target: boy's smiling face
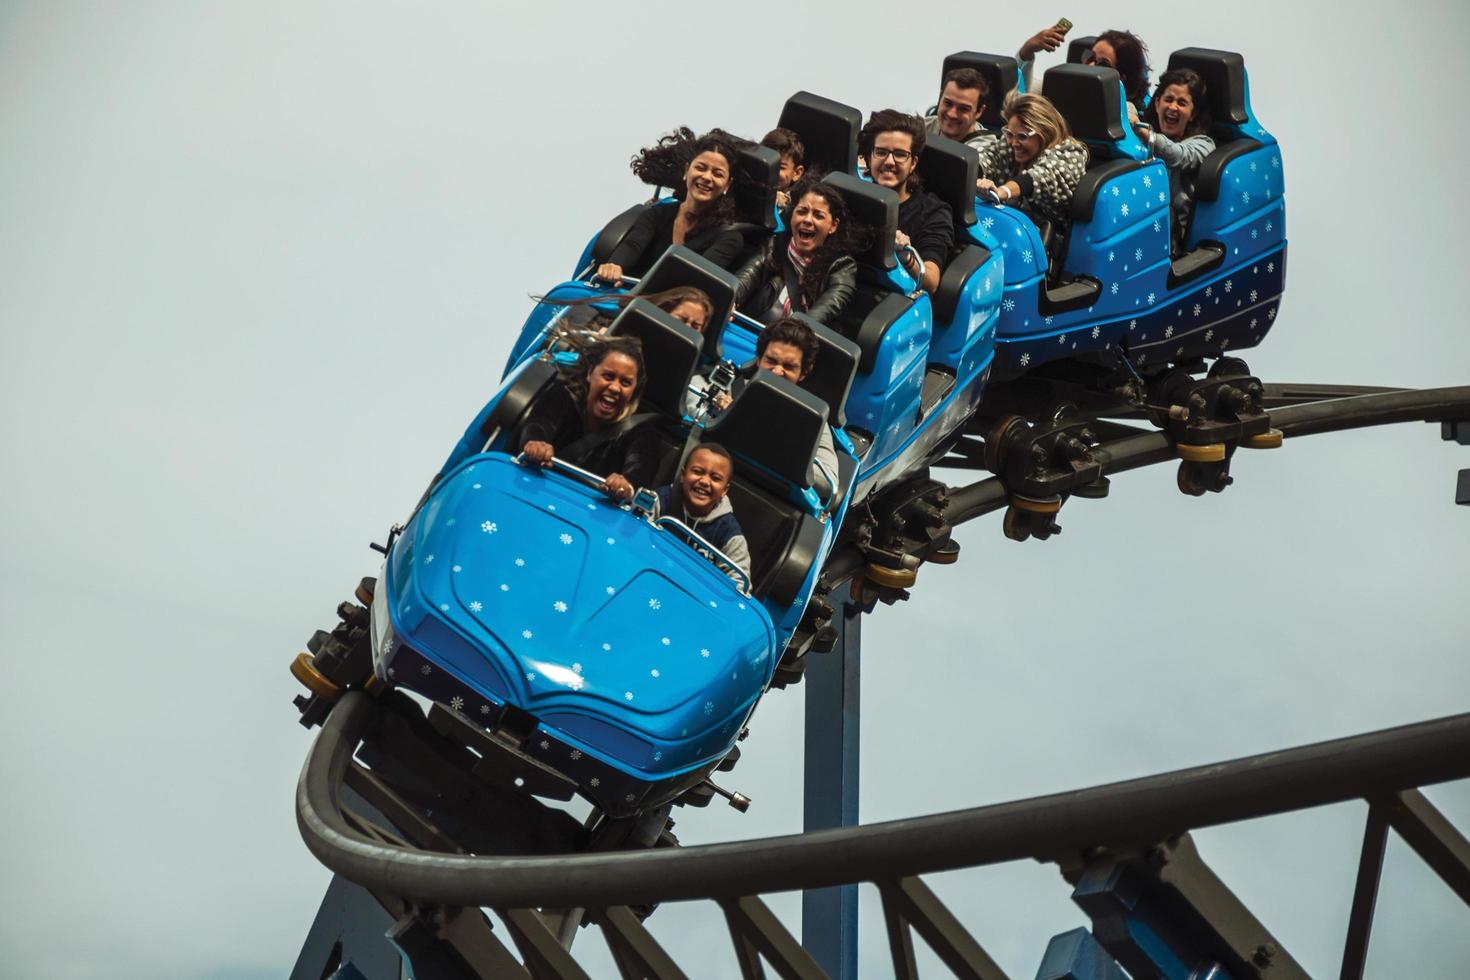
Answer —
704 481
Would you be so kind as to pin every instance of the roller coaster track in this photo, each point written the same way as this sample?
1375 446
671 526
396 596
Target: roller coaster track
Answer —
1124 846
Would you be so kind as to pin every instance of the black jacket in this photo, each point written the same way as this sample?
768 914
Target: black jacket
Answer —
557 418
757 286
653 233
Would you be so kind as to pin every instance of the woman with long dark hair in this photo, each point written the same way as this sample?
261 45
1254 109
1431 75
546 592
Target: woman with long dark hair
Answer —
702 173
690 305
1176 127
808 268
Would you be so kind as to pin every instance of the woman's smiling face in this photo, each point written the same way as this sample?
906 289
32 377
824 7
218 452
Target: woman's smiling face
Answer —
610 388
707 177
1175 109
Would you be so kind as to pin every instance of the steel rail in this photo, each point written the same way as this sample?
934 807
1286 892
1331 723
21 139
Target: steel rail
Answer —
1132 812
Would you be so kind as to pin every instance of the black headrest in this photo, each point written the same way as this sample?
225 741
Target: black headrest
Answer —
755 195
872 205
774 423
832 374
1090 99
614 232
999 72
828 130
1077 49
670 353
950 170
1224 75
680 266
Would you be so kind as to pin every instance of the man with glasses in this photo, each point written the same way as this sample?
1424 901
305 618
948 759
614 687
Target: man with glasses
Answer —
891 143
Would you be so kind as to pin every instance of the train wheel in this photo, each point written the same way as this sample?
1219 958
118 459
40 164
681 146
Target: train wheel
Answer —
1270 439
1037 505
1213 452
997 437
312 679
1229 367
1189 480
1017 524
946 554
893 578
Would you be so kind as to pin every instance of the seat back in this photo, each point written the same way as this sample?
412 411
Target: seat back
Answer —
773 423
1225 85
680 266
614 232
1091 100
828 130
877 208
670 353
1078 49
755 192
832 374
999 72
950 169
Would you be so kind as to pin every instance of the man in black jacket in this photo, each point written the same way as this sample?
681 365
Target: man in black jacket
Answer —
891 143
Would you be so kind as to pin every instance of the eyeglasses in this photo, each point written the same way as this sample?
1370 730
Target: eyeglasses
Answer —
899 156
1014 137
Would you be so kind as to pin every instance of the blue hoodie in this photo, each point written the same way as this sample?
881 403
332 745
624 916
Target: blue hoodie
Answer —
719 527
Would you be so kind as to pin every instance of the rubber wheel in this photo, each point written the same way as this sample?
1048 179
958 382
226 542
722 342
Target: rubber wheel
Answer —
1017 524
946 554
1270 439
1188 481
1048 505
312 679
1213 452
996 437
893 578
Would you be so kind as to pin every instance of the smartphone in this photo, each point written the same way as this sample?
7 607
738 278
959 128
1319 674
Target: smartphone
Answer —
1064 25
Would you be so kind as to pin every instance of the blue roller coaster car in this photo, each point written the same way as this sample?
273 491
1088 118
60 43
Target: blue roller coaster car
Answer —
626 655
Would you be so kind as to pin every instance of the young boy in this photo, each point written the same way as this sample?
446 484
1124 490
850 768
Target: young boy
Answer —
697 497
793 154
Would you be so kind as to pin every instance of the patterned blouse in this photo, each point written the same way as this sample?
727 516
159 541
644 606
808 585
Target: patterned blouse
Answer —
1047 183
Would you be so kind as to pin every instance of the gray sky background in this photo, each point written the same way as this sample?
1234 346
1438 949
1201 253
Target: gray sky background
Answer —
260 264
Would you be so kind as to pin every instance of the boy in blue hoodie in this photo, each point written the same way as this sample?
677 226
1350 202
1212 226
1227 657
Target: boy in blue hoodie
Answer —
697 497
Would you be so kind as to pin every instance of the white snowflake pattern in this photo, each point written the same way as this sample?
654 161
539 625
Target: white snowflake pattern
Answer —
1095 332
456 702
1124 209
655 604
576 754
607 647
1062 339
627 695
1156 226
530 676
527 634
1255 234
1197 309
1027 255
1254 321
484 709
489 527
444 607
1162 197
658 757
1276 162
1253 295
1245 197
1008 305
1270 266
1168 332
595 782
664 640
987 222
1270 226
476 606
1025 359
565 539
504 587
704 652
1110 256
551 506
1132 324
1229 285
1113 289
1151 298
1253 166
1148 181
1115 190
428 559
520 563
709 707
1048 320
1271 313
426 670
1138 255
611 591
985 285
559 606
1209 290
653 672
457 569
1208 335
544 745
612 540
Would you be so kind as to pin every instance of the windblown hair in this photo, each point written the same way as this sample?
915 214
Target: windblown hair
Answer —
1037 114
850 238
790 330
665 163
594 354
1132 62
667 300
1199 119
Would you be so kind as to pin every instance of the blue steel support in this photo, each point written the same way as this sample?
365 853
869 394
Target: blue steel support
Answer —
829 916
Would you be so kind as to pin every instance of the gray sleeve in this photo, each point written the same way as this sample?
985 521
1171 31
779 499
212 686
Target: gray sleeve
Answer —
827 456
738 551
1186 155
691 398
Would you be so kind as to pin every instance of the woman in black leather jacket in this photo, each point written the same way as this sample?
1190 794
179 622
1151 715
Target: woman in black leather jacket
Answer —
809 267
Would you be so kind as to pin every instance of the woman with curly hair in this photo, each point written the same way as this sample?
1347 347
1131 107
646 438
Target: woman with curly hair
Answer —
702 173
690 305
809 267
580 419
1036 165
1176 129
1122 51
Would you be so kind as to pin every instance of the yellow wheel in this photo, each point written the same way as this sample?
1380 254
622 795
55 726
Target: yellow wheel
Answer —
1270 439
946 554
893 578
364 593
1212 453
1047 505
312 679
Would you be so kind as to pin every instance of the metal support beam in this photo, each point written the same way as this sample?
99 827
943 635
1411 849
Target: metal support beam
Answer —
1433 838
829 916
1365 895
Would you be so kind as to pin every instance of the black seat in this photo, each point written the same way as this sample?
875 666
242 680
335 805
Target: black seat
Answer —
950 169
670 353
1090 99
831 376
680 266
515 403
614 232
783 541
1000 74
828 131
874 206
1078 49
957 272
1224 75
755 191
773 423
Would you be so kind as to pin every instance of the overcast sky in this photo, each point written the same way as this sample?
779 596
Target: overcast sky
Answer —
260 263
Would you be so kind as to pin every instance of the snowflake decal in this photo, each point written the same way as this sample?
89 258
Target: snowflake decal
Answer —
1270 266
444 607
655 604
1255 234
526 634
457 569
428 559
1162 197
489 527
1115 190
1124 210
709 707
1113 289
664 640
1229 285
653 672
1253 295
1138 255
1095 332
627 695
520 563
1062 339
456 702
1156 226
1253 166
1148 181
1025 359
658 757
426 670
595 782
1209 290
1110 256
576 754
559 606
1027 255
551 506
530 676
612 540
1168 332
504 587
1276 162
1245 197
565 539
987 222
1254 321
1269 226
1271 313
1132 324
1008 305
611 591
476 606
484 709
1208 335
704 653
1196 309
607 647
1151 299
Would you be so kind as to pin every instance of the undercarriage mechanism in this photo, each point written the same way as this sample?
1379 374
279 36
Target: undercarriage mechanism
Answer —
899 530
1042 465
1209 418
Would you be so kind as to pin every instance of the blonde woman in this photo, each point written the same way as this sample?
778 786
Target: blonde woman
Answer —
1035 163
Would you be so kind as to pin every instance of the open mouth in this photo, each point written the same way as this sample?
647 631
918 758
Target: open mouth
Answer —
607 405
805 236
